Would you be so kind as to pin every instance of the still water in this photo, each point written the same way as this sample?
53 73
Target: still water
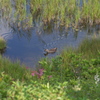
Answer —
28 46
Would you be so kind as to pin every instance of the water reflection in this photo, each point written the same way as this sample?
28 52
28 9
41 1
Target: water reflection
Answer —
5 29
28 46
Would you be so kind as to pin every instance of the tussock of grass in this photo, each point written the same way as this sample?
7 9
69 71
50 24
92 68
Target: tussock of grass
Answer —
2 43
90 48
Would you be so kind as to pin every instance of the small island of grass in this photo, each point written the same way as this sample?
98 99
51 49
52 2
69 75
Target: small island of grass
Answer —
2 43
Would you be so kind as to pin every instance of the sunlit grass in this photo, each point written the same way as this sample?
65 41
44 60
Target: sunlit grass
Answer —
90 48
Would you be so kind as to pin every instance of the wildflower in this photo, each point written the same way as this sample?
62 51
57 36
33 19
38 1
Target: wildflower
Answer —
33 74
41 71
49 76
39 74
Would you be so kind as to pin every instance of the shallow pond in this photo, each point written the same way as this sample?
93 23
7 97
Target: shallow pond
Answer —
28 46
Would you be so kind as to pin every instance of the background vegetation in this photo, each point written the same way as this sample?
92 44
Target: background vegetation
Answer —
63 12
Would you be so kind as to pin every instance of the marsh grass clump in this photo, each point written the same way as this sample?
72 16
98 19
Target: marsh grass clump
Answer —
2 43
73 13
90 47
68 13
91 17
5 8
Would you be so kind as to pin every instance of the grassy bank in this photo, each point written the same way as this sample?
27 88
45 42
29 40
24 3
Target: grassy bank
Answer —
73 75
74 13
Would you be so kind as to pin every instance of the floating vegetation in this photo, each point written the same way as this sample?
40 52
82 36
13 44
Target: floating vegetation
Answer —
69 13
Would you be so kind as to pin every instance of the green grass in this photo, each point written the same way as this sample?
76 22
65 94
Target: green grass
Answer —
67 13
13 69
90 48
73 75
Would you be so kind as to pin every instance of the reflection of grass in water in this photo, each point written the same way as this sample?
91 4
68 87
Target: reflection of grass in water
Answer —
5 30
66 12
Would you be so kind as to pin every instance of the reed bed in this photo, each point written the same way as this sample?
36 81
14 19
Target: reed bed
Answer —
68 13
5 8
65 12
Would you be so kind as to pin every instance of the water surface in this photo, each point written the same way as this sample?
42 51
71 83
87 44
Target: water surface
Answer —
28 46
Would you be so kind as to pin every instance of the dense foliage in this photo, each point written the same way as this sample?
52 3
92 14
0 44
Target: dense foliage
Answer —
69 76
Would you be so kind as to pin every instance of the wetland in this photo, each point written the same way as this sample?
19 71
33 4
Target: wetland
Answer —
30 26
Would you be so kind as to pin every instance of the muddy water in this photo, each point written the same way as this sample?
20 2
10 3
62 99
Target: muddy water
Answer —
28 46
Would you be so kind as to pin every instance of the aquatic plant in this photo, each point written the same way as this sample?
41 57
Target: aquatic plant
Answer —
5 9
90 12
67 13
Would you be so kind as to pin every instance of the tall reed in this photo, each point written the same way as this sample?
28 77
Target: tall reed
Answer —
64 12
5 8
